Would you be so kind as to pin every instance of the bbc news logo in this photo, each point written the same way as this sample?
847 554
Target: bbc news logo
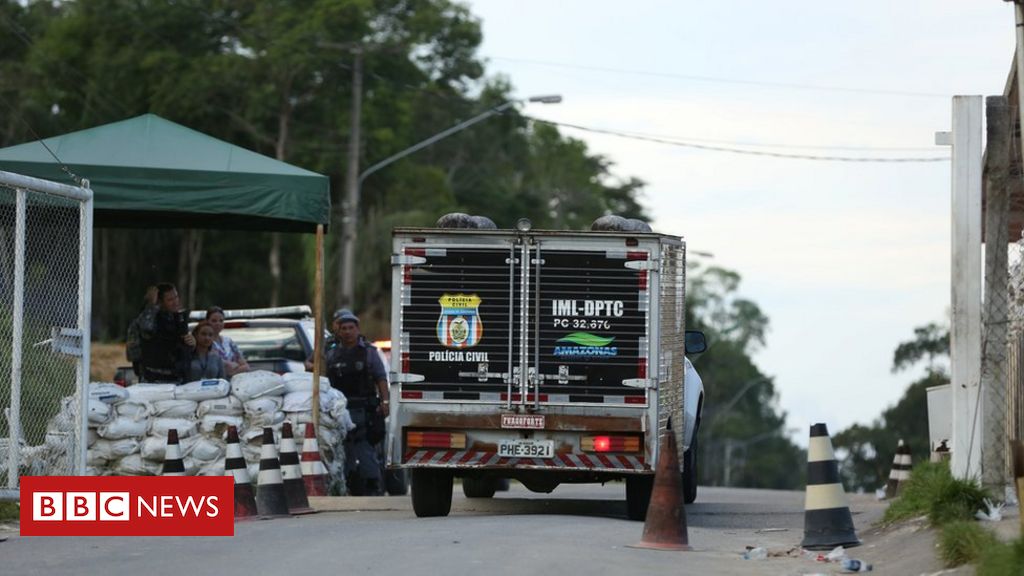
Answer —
127 506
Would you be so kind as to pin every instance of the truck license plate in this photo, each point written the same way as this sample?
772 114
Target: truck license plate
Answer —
526 448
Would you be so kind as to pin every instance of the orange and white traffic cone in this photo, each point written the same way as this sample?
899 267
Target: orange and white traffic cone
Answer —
234 465
270 498
665 524
173 464
294 488
314 473
827 519
900 473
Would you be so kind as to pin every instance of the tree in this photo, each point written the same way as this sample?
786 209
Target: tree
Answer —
868 450
744 439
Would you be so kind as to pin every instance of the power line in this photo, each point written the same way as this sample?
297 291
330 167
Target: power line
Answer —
723 80
64 167
733 150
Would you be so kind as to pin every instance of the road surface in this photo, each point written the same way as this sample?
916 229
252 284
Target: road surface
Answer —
575 530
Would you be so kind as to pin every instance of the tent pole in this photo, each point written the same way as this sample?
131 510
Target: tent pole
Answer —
318 330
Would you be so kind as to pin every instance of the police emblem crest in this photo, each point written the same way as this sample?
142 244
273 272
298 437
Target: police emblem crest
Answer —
460 325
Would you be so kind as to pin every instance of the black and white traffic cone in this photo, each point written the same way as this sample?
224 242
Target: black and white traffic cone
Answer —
900 473
827 519
294 487
234 465
270 498
173 464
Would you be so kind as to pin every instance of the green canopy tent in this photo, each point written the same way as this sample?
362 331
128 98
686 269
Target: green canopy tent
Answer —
148 172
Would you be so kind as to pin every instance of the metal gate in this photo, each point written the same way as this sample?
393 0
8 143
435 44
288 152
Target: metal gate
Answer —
45 308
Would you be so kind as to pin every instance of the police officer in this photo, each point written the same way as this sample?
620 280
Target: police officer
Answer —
354 367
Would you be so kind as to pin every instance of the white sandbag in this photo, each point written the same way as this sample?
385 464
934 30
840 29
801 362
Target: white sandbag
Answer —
228 405
114 449
207 449
249 385
91 436
146 392
64 420
185 426
203 390
302 401
107 392
265 419
303 382
335 399
135 465
134 410
263 405
217 423
99 412
92 471
96 459
254 472
155 447
300 419
329 437
122 427
174 408
213 468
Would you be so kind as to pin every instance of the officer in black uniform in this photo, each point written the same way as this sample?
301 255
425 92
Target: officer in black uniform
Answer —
354 367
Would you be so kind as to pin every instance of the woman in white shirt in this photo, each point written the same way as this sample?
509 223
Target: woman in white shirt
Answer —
224 346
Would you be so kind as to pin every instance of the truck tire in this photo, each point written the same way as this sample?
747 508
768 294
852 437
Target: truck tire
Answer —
395 482
431 492
690 473
638 495
479 487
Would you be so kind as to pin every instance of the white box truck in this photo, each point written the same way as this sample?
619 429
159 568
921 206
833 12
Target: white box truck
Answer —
547 357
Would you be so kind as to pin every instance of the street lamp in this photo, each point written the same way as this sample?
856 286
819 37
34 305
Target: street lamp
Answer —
351 206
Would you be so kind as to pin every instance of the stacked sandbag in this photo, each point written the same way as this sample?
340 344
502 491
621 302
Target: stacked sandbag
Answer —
128 427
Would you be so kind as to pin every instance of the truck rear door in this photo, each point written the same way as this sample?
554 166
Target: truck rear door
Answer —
459 319
590 324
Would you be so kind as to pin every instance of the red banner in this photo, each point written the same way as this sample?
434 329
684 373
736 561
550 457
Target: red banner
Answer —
127 506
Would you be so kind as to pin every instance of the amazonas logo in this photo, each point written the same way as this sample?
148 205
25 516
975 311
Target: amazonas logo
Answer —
127 506
586 345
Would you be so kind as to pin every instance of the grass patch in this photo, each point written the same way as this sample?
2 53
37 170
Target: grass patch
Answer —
965 542
933 491
8 511
1003 560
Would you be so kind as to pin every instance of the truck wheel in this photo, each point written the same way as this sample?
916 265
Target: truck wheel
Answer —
479 487
431 492
638 495
395 482
690 473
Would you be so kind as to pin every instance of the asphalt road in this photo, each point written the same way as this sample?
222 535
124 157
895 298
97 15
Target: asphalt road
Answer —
574 530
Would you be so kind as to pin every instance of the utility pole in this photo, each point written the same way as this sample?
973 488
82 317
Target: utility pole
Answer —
350 205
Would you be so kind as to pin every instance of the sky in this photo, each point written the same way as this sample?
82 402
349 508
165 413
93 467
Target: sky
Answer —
844 258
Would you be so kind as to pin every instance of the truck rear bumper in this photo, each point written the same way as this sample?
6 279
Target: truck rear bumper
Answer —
479 459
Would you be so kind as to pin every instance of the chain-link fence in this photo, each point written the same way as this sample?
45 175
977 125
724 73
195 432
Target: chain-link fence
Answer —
45 279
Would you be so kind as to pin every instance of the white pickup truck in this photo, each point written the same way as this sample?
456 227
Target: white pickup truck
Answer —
545 356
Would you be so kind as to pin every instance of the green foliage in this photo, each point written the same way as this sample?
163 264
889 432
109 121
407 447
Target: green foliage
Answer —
965 542
933 491
1002 559
930 343
9 511
277 77
867 450
741 416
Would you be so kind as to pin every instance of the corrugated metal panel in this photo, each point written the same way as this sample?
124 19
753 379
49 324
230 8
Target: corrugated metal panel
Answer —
672 341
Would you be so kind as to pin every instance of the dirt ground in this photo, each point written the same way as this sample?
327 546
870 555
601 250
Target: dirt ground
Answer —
105 359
